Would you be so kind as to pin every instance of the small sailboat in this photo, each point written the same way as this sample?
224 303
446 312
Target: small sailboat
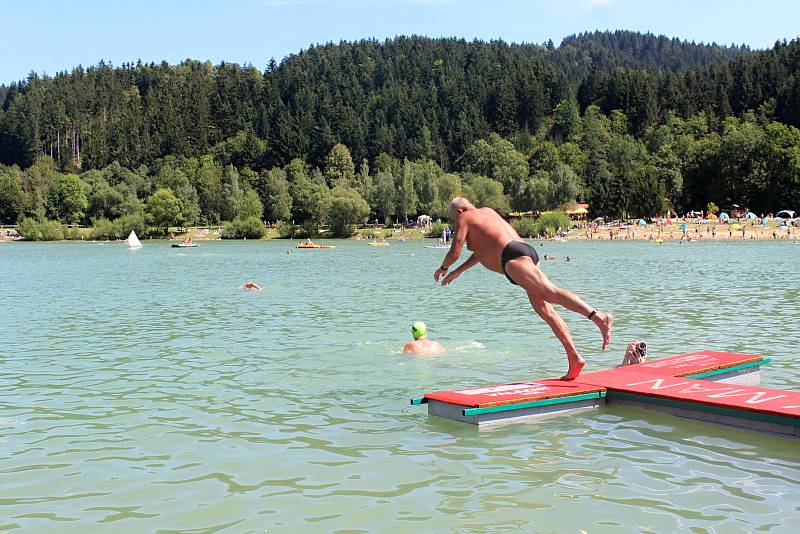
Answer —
133 241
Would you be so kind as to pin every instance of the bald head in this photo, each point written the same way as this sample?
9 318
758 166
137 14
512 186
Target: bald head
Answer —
458 203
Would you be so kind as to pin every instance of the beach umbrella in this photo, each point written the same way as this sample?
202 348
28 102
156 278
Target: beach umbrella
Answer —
751 216
736 226
724 216
642 222
712 217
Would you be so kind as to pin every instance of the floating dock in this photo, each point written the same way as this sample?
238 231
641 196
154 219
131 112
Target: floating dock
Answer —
708 385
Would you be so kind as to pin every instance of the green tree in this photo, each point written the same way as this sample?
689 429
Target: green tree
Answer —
276 195
245 149
339 168
218 189
164 209
497 159
251 206
308 199
544 156
564 187
174 179
406 194
45 230
425 175
12 197
230 194
345 208
36 181
385 202
246 228
485 192
647 192
130 222
536 194
66 199
566 121
448 186
205 174
104 201
364 182
783 166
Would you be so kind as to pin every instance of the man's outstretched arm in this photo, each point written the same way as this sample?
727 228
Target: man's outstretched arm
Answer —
459 237
471 262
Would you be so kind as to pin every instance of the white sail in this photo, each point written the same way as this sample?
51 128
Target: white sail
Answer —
133 241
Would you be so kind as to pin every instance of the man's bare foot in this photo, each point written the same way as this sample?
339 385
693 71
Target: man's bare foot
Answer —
575 368
604 321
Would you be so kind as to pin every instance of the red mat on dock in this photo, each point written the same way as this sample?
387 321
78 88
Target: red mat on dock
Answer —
694 363
748 398
499 395
513 393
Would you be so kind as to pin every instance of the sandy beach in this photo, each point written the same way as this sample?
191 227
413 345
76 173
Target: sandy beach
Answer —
687 231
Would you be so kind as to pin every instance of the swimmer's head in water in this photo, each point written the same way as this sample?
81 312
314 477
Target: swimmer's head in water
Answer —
419 330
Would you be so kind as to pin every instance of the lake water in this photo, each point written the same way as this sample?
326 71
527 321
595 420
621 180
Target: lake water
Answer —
142 391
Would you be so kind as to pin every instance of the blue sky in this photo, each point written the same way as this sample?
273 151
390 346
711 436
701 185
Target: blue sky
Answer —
55 35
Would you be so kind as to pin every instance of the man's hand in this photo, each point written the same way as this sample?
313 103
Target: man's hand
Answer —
439 272
450 277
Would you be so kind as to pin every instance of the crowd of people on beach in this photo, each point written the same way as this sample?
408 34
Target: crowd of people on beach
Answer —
689 229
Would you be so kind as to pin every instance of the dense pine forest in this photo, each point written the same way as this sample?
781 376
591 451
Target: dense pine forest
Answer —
632 124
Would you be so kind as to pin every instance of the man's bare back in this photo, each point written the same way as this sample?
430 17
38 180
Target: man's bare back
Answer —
486 234
423 346
499 248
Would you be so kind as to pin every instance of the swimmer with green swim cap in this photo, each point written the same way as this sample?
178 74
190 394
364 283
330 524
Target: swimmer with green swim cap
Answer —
419 330
422 345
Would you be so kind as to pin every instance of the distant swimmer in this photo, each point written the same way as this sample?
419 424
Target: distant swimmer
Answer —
251 286
421 343
499 248
549 258
568 259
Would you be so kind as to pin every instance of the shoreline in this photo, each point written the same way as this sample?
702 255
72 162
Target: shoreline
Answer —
695 232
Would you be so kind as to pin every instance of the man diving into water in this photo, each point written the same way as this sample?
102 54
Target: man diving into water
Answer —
499 248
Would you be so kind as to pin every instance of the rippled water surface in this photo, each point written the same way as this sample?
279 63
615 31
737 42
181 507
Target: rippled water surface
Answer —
142 391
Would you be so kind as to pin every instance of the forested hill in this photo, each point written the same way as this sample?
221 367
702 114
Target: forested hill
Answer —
409 97
395 128
636 50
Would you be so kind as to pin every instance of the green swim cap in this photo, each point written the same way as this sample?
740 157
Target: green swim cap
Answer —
419 330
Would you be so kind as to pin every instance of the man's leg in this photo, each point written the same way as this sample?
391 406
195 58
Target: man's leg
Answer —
524 272
560 329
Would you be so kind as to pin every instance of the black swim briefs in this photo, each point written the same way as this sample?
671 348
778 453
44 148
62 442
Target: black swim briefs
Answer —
517 249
